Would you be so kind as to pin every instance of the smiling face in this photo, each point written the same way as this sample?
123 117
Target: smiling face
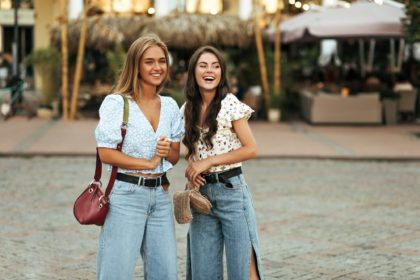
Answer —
208 72
153 66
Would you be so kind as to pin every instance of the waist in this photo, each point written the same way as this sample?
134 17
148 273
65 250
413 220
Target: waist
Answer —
146 175
221 177
150 182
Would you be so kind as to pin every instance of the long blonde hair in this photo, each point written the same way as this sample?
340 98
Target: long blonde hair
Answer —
129 79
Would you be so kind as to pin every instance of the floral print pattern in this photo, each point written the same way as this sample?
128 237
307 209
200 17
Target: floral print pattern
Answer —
225 140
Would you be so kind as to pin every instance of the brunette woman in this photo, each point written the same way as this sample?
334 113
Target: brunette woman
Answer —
218 138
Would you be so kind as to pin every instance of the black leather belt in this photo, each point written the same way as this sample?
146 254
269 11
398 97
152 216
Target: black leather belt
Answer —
142 181
222 177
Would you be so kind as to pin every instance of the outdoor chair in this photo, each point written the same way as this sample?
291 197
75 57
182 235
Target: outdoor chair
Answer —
407 104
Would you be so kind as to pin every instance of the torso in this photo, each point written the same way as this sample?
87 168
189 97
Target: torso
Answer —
149 109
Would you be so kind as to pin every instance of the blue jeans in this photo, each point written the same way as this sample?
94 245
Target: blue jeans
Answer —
231 224
139 221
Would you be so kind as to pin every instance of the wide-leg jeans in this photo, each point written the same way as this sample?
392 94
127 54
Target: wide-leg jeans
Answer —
230 225
139 222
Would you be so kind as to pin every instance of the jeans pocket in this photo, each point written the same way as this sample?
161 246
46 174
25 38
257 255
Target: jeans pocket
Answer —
122 188
165 188
233 183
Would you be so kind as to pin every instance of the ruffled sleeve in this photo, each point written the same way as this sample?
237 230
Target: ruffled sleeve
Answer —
108 131
177 125
235 109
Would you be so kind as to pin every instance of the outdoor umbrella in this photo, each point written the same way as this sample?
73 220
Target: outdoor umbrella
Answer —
360 20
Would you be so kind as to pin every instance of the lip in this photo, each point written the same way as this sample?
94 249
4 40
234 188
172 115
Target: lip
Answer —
156 75
208 78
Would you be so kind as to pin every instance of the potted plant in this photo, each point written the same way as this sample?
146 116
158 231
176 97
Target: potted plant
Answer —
274 107
47 64
390 106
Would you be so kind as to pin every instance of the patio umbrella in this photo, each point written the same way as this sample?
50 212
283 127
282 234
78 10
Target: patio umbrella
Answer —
186 31
360 20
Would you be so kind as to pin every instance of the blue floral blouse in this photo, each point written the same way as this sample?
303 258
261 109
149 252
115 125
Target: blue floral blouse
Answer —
141 139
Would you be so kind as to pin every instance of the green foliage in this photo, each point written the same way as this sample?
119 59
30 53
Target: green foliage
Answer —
412 21
47 62
115 59
46 58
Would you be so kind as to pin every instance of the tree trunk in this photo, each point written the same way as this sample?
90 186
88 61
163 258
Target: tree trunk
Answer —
261 56
79 62
277 53
64 53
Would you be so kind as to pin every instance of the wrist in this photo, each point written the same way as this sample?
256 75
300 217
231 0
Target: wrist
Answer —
210 161
154 162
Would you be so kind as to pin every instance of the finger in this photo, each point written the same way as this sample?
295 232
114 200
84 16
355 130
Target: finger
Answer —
201 180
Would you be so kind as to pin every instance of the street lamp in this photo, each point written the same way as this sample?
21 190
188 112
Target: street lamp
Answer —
15 45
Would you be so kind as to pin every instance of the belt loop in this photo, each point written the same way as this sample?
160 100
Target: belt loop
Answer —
160 181
217 178
140 182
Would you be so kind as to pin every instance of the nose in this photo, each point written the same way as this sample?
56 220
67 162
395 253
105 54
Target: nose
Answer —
156 65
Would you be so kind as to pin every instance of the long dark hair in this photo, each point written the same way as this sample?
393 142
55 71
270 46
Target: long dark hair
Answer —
193 101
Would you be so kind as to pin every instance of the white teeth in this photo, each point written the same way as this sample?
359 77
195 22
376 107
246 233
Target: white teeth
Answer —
209 78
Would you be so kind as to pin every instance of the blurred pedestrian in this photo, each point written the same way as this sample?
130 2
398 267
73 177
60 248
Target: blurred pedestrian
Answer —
6 68
218 138
140 218
236 88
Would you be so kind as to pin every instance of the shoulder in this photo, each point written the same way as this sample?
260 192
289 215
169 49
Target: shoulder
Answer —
169 101
170 105
230 99
112 102
113 98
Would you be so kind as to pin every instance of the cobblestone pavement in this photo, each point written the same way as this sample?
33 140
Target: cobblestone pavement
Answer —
317 219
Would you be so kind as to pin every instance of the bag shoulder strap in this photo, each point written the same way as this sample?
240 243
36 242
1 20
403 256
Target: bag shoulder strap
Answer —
98 171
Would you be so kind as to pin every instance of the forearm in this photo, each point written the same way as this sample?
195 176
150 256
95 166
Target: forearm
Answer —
173 155
114 157
238 155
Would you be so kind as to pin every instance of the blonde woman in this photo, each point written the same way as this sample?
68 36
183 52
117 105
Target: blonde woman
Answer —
140 219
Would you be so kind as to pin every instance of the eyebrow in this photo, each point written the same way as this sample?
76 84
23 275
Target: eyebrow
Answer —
152 58
202 62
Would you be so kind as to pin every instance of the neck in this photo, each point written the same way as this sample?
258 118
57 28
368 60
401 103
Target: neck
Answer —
207 96
147 92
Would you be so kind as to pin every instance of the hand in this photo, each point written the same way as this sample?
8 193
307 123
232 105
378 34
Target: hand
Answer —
163 147
195 168
155 161
199 181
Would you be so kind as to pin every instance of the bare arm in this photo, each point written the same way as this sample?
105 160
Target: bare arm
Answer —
173 156
114 157
247 151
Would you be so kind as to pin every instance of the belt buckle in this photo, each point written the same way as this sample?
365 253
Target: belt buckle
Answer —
155 181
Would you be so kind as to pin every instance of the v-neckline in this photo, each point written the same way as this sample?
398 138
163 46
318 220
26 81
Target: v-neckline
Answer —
147 120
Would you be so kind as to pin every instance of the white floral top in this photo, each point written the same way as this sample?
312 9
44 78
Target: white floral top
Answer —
225 140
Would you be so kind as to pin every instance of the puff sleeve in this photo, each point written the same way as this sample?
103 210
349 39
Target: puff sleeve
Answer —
237 110
108 131
177 124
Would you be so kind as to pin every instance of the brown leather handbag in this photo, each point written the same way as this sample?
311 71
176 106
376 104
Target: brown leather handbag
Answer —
91 207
